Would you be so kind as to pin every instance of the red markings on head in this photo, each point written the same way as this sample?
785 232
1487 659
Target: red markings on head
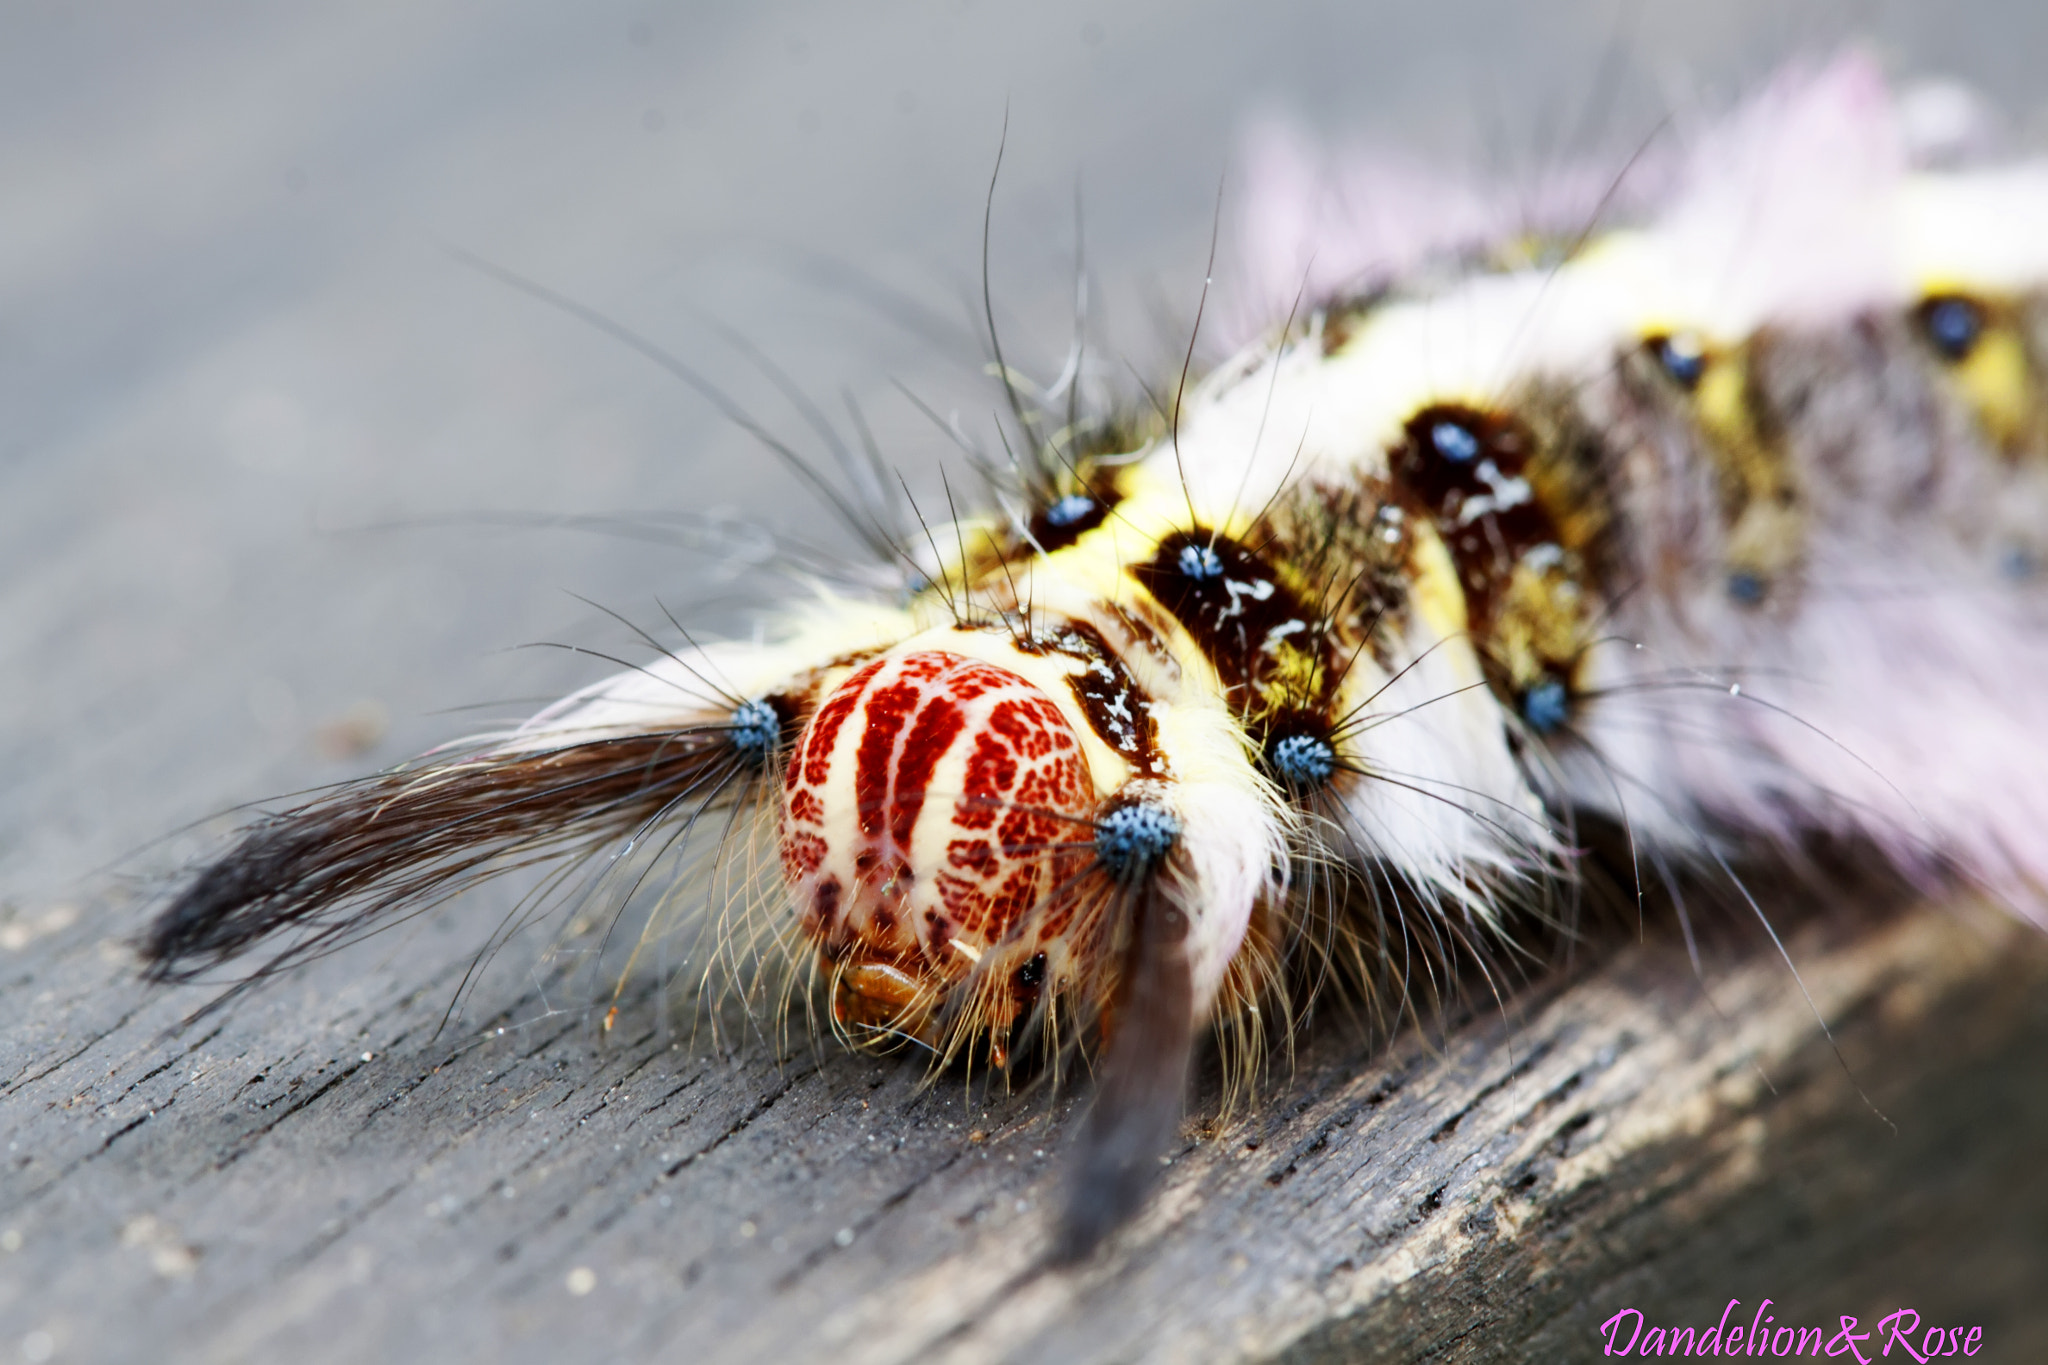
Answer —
938 725
823 731
933 796
802 853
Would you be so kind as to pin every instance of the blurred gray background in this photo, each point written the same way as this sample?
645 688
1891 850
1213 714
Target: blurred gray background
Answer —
238 369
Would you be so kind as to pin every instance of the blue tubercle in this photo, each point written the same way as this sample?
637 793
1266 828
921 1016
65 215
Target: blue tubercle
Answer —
1546 706
1746 587
1069 509
755 730
1200 562
1682 359
1954 325
1132 840
1455 442
1303 762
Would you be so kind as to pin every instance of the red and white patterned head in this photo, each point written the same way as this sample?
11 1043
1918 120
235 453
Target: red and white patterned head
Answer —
934 811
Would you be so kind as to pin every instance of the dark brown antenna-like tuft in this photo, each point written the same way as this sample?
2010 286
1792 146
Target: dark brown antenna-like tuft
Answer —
342 863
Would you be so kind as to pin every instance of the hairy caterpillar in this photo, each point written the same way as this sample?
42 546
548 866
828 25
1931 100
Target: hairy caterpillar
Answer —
1688 526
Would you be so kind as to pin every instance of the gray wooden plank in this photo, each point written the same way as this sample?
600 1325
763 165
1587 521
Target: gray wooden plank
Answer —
230 344
316 1176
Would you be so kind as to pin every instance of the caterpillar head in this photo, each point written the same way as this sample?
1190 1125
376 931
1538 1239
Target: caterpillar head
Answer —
935 813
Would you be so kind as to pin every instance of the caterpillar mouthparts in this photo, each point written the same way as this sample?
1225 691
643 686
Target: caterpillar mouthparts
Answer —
1341 649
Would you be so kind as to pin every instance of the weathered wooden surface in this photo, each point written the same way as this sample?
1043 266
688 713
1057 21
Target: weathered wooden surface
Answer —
316 1177
228 343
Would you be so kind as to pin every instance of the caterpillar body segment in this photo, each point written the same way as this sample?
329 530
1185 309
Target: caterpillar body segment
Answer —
1725 526
1797 418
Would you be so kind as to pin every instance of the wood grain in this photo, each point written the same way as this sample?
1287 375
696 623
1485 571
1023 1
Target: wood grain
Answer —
316 1176
257 425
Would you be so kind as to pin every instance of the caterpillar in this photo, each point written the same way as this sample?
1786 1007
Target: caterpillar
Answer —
1704 523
